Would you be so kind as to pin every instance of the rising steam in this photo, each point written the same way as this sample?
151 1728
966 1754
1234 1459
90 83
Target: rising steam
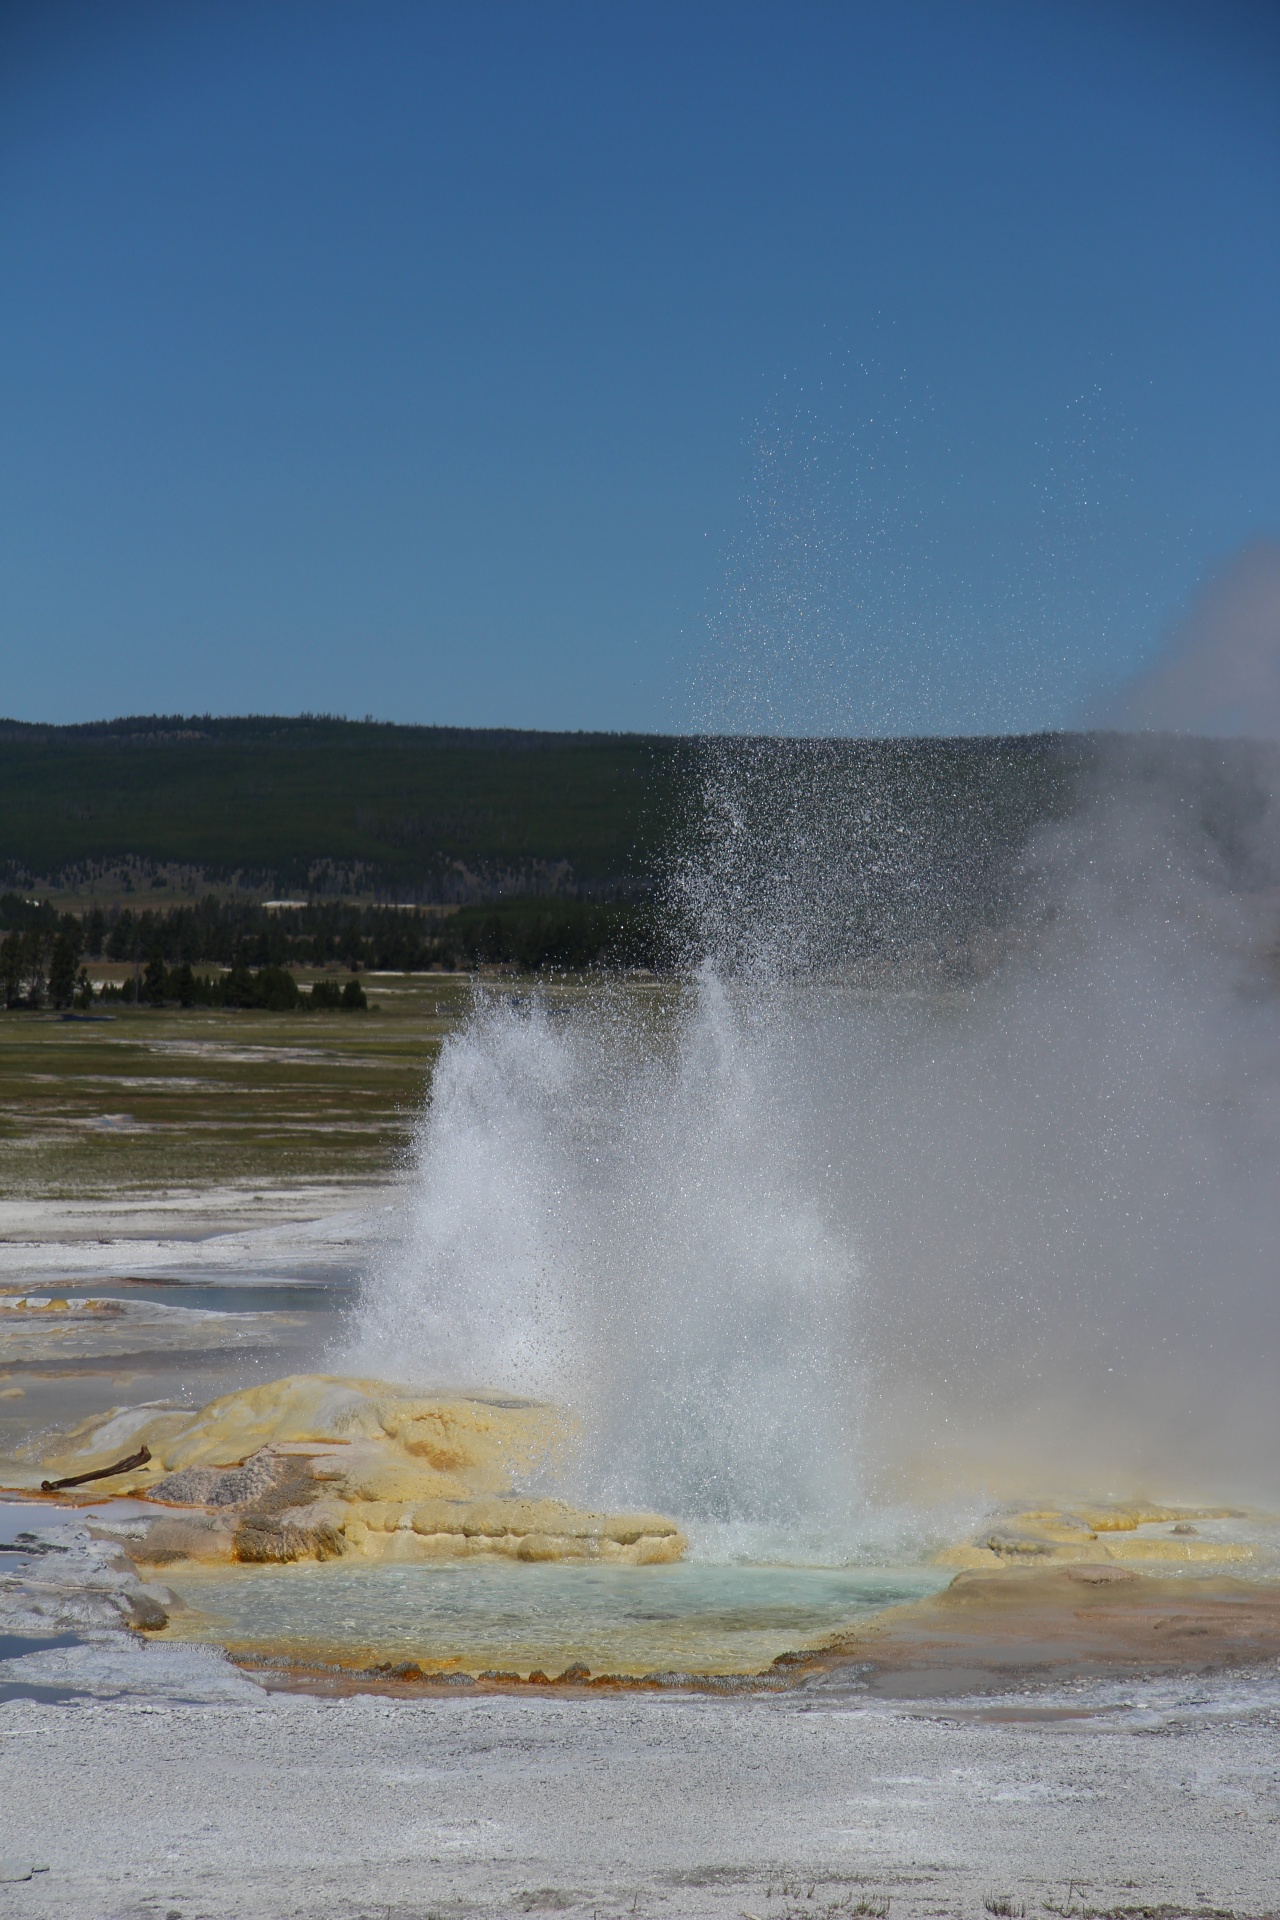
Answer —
1219 672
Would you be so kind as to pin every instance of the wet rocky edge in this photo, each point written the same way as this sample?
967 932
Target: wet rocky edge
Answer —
408 1679
68 1580
76 1615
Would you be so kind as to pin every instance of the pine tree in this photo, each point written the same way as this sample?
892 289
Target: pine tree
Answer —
153 980
34 948
123 937
11 969
62 972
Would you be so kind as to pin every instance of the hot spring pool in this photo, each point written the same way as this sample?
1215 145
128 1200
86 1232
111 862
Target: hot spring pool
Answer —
499 1617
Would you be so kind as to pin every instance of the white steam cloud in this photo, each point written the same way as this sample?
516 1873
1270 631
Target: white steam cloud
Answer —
1219 671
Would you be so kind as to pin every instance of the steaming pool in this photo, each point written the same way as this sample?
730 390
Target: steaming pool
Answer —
689 1618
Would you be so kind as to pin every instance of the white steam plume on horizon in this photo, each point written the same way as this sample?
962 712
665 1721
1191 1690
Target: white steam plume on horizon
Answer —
1218 671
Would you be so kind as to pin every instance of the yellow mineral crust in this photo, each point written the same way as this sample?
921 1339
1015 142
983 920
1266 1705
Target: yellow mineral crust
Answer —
316 1466
1099 1534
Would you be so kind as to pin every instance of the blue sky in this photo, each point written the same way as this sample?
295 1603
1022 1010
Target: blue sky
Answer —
890 367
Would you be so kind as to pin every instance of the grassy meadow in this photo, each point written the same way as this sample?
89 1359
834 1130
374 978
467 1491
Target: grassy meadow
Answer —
197 1098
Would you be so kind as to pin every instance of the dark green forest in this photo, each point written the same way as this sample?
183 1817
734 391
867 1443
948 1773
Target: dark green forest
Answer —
335 807
406 848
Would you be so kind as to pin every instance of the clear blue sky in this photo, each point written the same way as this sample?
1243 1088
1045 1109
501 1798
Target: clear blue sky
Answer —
474 363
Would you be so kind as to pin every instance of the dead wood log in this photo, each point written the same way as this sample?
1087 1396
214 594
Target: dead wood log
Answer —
138 1459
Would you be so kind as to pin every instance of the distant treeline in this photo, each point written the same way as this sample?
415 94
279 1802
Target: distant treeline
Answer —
561 848
42 950
321 806
270 989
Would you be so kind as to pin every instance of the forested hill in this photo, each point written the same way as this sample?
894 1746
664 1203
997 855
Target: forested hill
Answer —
317 805
330 809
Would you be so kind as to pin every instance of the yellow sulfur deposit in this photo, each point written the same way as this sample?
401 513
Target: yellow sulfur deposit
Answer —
1100 1534
318 1466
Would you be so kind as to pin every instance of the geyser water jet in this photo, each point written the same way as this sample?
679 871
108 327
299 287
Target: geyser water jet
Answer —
606 1208
890 1198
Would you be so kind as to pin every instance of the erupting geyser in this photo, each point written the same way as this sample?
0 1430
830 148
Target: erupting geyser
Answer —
608 1209
945 1169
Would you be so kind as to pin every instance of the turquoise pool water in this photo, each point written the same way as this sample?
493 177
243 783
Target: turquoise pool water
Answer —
476 1618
